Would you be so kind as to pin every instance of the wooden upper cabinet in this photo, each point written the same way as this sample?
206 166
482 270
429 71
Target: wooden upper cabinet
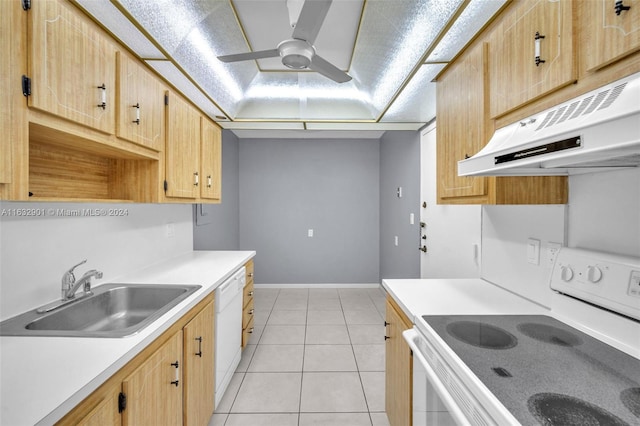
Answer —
71 65
531 53
140 108
461 110
211 161
153 397
199 383
612 31
182 155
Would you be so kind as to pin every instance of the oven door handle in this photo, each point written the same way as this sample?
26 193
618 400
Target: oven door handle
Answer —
411 336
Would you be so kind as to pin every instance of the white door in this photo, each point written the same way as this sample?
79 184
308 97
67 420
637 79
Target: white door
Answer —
452 231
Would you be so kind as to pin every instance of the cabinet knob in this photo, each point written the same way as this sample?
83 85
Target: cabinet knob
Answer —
423 249
620 7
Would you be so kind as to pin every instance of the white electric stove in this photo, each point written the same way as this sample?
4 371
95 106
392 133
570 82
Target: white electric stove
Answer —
575 364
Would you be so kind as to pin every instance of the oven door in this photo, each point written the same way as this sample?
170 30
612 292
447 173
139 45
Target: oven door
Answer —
432 403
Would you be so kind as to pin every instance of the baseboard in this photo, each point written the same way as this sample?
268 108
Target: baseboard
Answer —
328 285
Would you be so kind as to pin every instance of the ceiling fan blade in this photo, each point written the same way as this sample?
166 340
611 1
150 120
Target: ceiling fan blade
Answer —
329 70
272 53
311 19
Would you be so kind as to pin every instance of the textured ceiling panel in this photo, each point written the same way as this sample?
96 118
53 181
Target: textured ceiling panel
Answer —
474 17
416 102
122 28
303 96
191 92
394 36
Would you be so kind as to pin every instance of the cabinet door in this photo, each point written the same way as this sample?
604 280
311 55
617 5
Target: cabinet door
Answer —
154 390
515 76
182 149
614 33
398 372
71 66
140 105
211 162
199 384
461 111
105 413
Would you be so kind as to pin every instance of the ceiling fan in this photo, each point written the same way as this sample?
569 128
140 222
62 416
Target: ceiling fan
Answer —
298 52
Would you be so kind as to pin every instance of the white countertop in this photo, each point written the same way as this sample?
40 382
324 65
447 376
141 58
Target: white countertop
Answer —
42 378
457 296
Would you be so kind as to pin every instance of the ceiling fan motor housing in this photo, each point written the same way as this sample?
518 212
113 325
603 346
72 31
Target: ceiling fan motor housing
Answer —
296 54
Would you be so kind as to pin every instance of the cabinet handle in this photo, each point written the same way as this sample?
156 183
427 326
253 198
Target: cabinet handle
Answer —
250 274
423 249
199 353
250 330
137 107
537 39
209 181
176 381
619 7
103 97
250 294
386 323
251 311
196 179
387 337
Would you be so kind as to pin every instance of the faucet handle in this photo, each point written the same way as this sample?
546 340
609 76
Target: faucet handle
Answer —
68 277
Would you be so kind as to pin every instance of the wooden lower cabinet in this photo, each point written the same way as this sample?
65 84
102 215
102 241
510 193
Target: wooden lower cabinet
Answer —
171 382
247 305
198 373
154 390
399 367
105 412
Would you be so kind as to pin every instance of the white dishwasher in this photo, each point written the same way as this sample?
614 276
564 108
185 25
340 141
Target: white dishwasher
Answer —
228 330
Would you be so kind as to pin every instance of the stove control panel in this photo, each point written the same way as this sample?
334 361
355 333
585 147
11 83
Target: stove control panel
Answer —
603 279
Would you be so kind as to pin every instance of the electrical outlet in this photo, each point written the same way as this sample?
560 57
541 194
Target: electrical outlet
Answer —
310 233
395 240
171 230
552 252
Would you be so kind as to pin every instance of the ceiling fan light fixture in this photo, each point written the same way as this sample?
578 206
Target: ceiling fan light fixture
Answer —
296 54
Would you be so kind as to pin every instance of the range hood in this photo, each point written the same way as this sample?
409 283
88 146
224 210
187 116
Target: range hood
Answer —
597 131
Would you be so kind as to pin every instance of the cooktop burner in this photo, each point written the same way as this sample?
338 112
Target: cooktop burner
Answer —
631 399
482 335
549 334
552 409
545 371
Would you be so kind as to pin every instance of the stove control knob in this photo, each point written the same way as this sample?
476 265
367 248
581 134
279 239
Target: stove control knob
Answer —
594 274
566 273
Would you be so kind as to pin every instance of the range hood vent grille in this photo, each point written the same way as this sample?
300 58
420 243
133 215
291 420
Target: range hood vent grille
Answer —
583 107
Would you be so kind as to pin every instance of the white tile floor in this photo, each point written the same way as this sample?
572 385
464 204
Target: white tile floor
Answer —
316 357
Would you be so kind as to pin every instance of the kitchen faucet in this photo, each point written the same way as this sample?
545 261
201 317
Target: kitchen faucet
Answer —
85 281
69 286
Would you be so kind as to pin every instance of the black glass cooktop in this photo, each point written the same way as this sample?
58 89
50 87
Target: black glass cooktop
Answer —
544 371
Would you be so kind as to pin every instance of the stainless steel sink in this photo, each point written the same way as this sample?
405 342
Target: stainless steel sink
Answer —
114 310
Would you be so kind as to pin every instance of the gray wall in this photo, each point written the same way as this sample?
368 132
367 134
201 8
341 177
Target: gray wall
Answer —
288 186
216 226
399 167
